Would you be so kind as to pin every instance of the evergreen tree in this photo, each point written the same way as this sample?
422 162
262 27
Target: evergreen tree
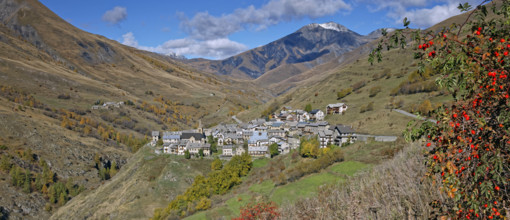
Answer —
113 169
308 108
27 182
5 163
20 179
187 155
62 198
44 190
273 149
38 182
52 194
12 173
201 153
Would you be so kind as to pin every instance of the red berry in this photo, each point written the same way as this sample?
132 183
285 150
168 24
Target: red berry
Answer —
479 28
428 144
496 188
502 40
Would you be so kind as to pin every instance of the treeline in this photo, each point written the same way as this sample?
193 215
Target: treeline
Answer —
90 127
197 196
38 177
20 97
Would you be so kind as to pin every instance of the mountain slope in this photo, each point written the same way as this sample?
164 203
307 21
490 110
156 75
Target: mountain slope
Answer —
52 73
311 45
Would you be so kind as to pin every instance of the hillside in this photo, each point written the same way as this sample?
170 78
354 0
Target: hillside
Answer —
53 73
312 45
148 181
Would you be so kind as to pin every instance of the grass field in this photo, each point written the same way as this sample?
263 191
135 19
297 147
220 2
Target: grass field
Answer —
285 194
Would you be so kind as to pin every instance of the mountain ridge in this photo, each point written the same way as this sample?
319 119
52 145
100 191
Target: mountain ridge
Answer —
309 46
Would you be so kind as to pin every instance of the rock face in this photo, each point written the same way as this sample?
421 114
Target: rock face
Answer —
311 45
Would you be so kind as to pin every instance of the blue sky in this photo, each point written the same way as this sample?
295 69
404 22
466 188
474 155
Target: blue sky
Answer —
222 28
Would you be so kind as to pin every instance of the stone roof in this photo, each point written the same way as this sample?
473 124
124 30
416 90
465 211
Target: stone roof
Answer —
155 133
313 112
343 129
261 148
197 136
258 136
171 136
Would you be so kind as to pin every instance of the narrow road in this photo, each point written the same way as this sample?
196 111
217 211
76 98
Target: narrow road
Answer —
237 120
413 115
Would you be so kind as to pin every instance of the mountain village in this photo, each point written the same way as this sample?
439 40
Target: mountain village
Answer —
285 128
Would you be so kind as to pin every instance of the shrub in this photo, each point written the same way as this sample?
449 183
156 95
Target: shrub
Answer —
467 149
64 96
343 93
374 90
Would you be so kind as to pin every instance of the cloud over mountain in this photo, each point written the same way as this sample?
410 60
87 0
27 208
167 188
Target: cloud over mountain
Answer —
115 15
204 26
208 34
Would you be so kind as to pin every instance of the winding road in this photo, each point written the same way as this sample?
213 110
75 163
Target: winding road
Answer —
413 115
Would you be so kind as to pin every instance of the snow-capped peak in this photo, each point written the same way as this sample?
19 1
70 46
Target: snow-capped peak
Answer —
332 26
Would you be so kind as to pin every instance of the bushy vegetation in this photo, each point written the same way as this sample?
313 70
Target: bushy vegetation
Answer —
197 196
327 157
270 109
367 107
392 190
374 91
37 177
261 210
358 85
467 149
416 83
343 93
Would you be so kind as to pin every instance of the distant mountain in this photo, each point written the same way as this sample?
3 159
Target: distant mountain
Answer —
311 45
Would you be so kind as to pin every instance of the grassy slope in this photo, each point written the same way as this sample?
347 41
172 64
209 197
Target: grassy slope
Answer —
259 186
379 121
147 182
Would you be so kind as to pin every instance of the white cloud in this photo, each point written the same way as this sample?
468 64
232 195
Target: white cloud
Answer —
129 39
116 15
427 17
215 48
421 13
205 26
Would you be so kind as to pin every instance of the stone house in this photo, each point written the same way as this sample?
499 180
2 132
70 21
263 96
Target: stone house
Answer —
337 108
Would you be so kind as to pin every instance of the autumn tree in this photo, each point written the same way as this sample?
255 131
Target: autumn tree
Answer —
468 149
216 164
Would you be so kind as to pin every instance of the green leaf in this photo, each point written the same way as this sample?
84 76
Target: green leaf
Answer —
406 22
